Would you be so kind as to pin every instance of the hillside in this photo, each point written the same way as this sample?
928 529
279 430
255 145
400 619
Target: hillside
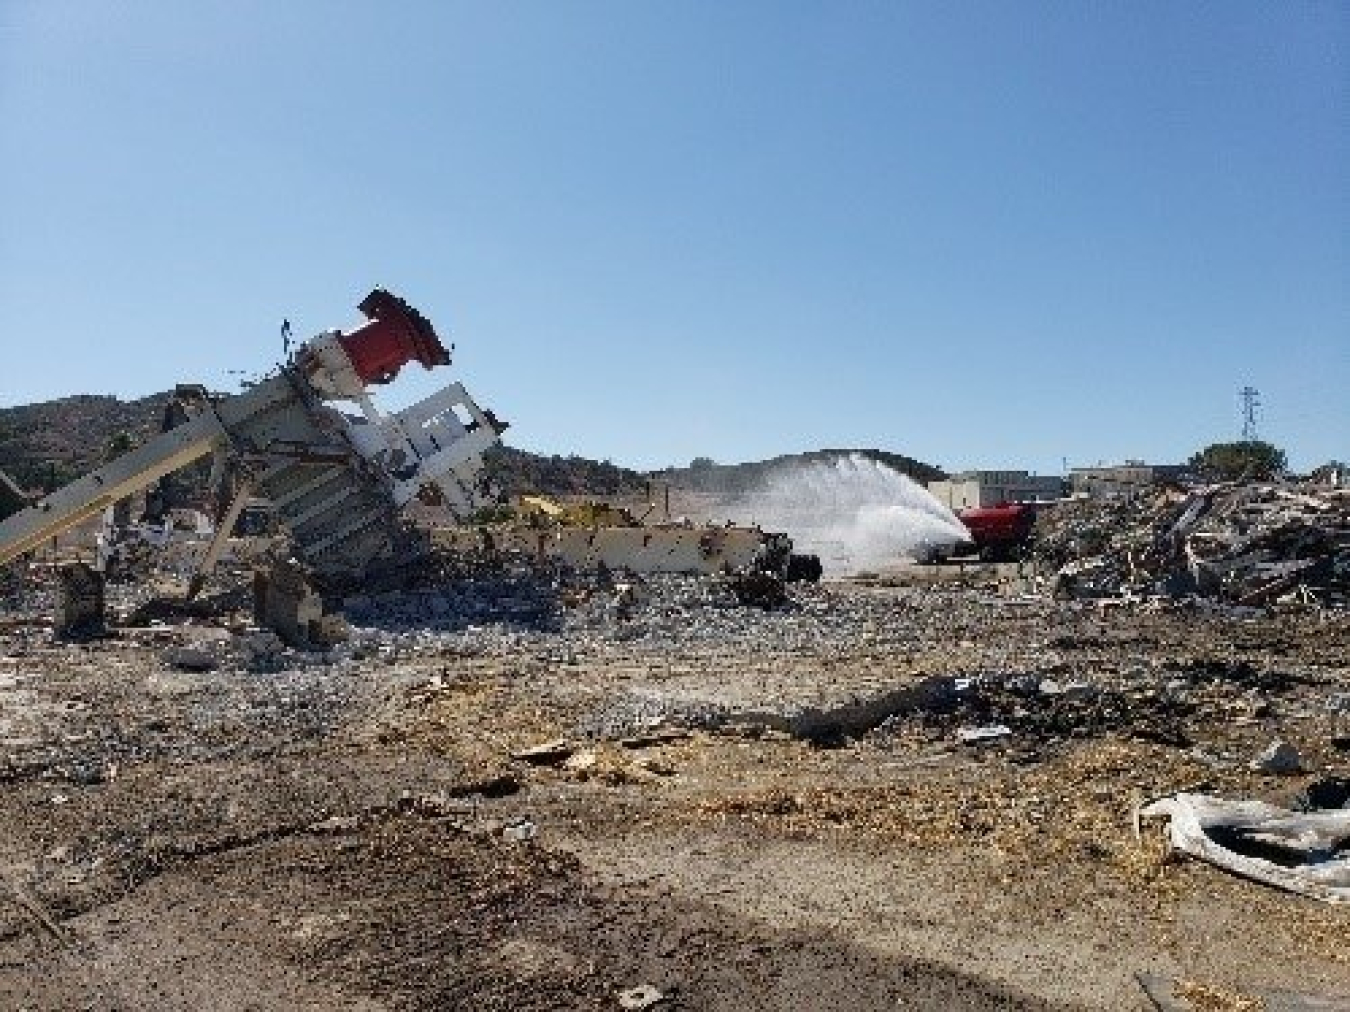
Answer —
46 444
703 475
49 443
519 471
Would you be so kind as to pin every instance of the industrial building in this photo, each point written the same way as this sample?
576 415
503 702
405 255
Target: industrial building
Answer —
979 489
1125 479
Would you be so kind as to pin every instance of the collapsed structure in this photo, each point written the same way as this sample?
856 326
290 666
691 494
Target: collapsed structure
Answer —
337 482
337 485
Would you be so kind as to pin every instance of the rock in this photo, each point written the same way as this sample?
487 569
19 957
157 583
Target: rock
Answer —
643 996
654 765
1279 758
1259 709
581 762
260 643
336 824
437 804
742 729
550 753
1078 691
520 830
631 773
981 735
192 657
492 785
1072 691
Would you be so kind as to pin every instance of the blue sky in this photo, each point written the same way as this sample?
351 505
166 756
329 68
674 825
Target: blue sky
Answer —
984 234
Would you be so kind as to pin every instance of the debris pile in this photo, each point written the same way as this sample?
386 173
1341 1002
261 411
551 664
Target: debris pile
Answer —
1044 710
1243 544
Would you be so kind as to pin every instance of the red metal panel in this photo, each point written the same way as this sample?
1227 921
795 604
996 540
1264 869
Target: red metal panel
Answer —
396 335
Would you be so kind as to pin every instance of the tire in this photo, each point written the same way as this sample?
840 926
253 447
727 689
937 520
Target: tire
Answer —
804 569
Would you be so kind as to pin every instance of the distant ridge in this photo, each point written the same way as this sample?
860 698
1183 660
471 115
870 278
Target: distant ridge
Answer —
52 442
46 444
703 475
520 471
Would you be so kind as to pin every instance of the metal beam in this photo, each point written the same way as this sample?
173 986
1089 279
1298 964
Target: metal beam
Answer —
125 476
223 531
298 520
317 548
323 478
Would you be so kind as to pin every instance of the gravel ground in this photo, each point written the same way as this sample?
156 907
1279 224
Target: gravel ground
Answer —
751 809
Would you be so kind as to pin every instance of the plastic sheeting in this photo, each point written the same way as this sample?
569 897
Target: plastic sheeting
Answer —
1302 852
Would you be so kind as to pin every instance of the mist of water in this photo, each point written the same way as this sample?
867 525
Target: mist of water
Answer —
856 513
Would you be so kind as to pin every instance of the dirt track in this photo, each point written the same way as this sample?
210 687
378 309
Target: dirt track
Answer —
332 835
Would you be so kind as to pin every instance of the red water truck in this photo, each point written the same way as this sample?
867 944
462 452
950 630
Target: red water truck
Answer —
998 533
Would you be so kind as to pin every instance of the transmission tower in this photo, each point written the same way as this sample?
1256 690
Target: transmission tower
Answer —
1250 399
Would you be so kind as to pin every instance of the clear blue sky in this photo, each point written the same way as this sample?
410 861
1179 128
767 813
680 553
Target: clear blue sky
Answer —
985 234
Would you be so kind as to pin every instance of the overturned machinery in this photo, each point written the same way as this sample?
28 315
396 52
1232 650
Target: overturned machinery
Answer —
336 481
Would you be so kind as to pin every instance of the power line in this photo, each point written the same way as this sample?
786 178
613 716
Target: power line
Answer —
1250 399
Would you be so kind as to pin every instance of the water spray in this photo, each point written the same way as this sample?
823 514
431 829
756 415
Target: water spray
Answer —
856 513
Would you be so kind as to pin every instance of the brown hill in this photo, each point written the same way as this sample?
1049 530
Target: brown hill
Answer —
704 475
46 444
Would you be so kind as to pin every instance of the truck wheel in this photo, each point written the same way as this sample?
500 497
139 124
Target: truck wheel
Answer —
804 569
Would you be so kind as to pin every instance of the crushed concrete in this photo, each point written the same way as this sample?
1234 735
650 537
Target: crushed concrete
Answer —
686 720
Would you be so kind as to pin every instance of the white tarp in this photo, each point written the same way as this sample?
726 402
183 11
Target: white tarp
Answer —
1303 852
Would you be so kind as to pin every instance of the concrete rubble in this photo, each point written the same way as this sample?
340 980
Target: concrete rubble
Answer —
1243 544
516 708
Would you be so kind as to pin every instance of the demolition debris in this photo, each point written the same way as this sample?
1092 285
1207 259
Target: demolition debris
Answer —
1242 544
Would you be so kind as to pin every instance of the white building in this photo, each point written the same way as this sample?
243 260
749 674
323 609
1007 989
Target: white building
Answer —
977 489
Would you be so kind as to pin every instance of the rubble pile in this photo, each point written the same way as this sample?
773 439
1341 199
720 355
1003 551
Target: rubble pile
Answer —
1159 703
581 619
1046 710
1000 742
1244 544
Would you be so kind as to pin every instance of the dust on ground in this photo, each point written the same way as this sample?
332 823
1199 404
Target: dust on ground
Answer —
750 809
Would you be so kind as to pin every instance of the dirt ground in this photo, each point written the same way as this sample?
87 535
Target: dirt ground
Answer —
352 832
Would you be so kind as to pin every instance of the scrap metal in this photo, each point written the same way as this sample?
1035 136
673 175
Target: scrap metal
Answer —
337 481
